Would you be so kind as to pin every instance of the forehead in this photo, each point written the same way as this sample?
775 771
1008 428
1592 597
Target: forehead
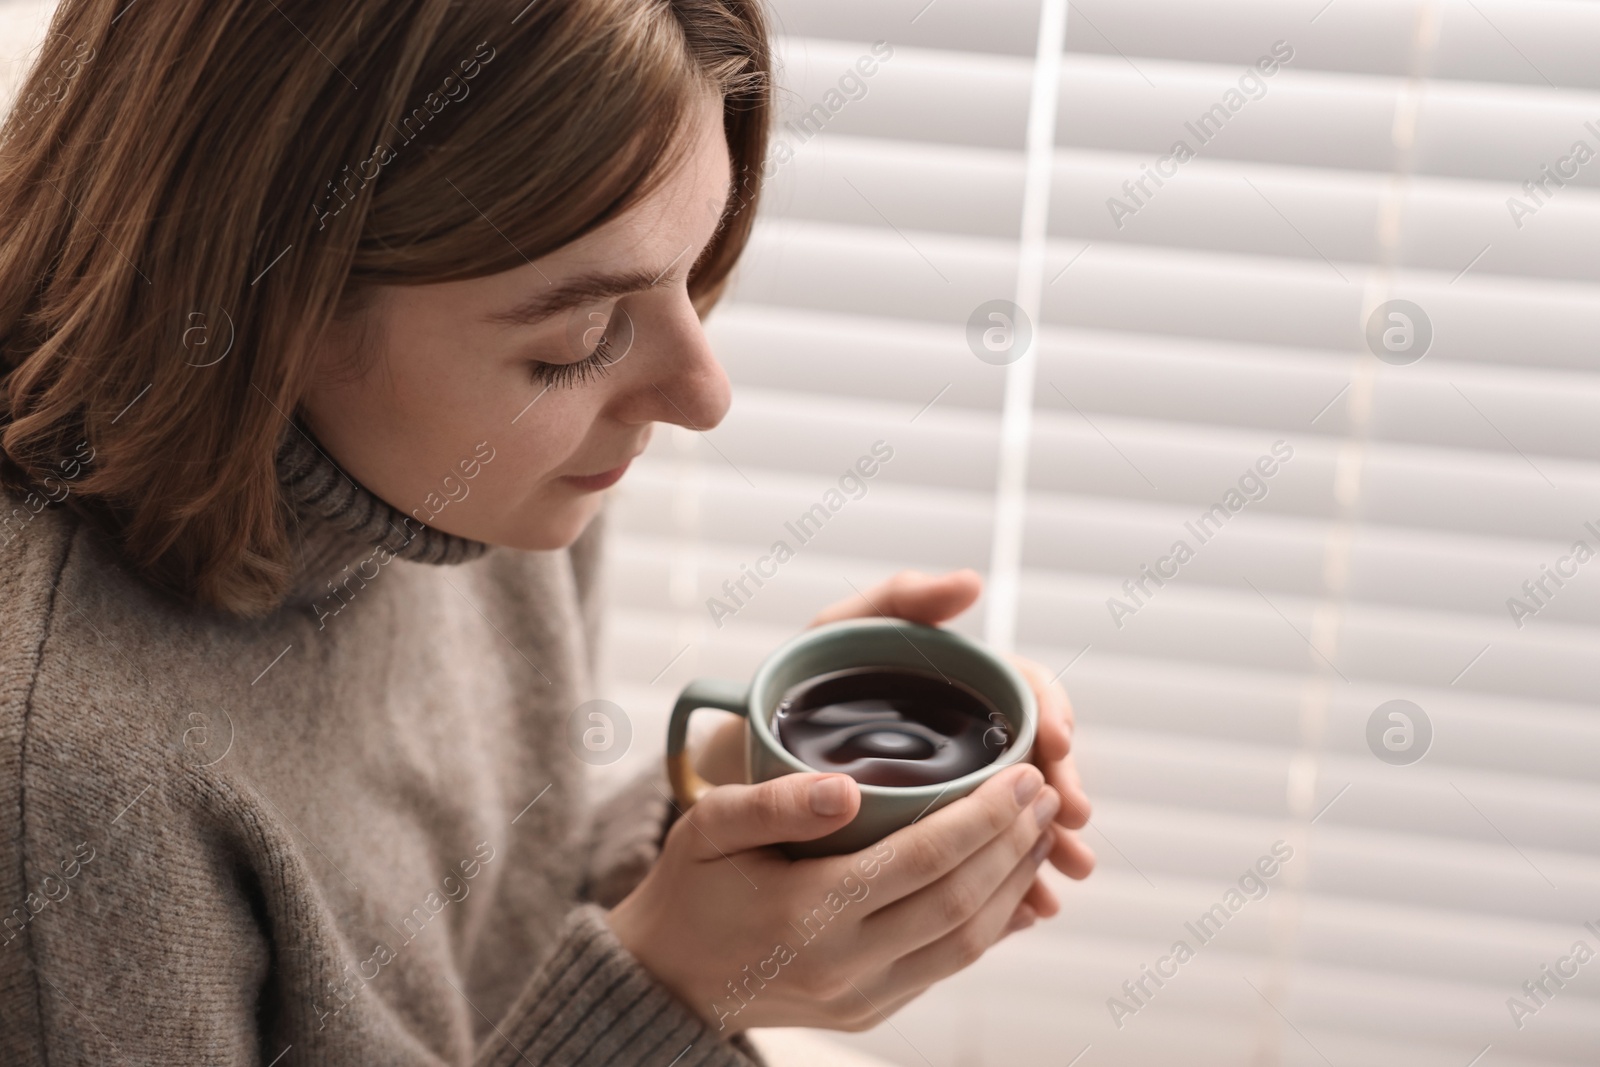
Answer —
653 244
680 213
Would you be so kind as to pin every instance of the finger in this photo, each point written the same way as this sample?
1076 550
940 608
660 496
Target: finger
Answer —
795 807
1053 739
1075 807
1050 742
934 845
1052 692
910 595
933 911
1021 919
1041 898
1071 856
962 947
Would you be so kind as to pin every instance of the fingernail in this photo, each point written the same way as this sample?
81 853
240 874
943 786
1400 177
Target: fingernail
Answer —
1041 848
1027 785
829 796
1046 808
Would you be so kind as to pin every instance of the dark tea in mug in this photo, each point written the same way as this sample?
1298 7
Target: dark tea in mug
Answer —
890 726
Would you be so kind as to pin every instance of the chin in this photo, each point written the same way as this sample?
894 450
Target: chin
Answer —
548 532
541 525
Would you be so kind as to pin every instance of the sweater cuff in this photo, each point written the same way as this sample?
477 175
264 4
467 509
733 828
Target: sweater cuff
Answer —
594 1005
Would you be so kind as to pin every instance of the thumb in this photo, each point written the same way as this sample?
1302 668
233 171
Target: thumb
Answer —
911 595
794 807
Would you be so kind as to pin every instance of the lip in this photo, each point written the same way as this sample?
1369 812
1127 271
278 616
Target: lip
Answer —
593 483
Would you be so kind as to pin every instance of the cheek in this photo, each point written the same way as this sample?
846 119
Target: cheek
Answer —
408 439
517 498
399 425
445 428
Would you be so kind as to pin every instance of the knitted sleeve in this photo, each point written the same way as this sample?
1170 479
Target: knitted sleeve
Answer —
593 1003
159 939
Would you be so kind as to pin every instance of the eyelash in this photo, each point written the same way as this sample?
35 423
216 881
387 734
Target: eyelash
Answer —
561 375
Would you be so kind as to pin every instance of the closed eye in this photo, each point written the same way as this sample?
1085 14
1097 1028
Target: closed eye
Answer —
591 366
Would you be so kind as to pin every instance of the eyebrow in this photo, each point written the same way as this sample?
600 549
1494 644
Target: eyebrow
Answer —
584 289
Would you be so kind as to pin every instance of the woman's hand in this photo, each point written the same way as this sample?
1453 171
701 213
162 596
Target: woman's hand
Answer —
932 599
747 937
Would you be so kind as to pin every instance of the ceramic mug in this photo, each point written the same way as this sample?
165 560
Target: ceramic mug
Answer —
877 642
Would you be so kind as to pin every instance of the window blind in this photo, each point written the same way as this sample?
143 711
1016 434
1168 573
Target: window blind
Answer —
1213 322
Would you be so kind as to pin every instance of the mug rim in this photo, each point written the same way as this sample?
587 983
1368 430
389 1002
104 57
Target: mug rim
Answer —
933 790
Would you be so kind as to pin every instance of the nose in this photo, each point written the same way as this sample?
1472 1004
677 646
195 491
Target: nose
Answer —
678 379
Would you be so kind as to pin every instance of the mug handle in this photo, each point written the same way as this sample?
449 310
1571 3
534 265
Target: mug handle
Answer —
687 785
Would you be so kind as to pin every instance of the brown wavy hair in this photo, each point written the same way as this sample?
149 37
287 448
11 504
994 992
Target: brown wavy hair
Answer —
184 176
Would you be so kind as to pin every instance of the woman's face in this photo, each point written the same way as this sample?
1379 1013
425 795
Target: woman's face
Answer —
499 408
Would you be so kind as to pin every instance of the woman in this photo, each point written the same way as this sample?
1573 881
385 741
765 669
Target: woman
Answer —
323 328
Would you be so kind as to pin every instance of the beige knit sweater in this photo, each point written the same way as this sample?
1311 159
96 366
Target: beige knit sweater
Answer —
351 832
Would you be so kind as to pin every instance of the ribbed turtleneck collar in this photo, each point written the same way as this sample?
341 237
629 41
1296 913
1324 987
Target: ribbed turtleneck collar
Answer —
340 521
